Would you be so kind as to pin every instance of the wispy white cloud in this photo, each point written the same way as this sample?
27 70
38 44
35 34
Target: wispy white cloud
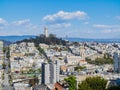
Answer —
3 23
32 26
22 22
20 27
60 25
61 15
107 29
117 17
110 31
63 19
101 26
86 23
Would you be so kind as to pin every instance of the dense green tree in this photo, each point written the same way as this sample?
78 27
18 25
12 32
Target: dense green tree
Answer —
6 50
33 82
38 70
77 68
52 39
84 86
93 83
4 65
31 71
41 51
71 80
100 61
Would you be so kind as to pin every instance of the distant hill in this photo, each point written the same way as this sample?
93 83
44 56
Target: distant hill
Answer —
20 38
7 43
50 40
16 38
110 40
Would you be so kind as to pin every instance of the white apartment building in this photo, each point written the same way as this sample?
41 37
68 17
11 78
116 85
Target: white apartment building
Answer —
74 60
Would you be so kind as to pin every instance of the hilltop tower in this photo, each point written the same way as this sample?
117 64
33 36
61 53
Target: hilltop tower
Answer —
46 31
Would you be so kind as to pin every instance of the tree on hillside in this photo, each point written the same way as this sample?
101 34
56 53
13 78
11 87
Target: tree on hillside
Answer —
34 81
6 50
4 65
78 68
71 80
93 83
50 40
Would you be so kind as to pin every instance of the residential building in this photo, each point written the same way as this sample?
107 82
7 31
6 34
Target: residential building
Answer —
74 60
117 62
50 72
1 60
1 54
45 73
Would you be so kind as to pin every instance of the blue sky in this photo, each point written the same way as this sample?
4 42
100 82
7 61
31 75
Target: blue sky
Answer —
74 18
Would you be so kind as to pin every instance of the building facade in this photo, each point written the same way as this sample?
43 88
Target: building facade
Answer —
1 60
117 62
45 73
1 54
50 72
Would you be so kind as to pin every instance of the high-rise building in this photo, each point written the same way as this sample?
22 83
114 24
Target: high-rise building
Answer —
117 62
1 60
50 72
1 54
57 70
45 31
52 68
45 73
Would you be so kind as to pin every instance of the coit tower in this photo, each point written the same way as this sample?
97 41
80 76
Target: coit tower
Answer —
45 31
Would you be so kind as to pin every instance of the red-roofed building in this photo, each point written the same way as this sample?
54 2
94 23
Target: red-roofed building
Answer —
61 86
